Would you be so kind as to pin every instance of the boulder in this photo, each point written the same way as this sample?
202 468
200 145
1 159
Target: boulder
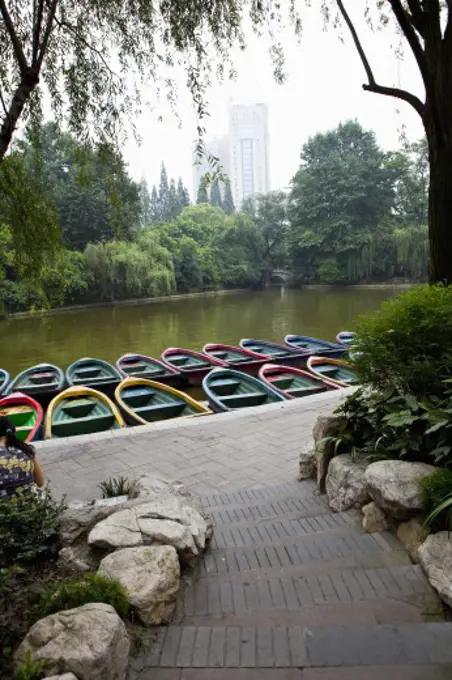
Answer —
65 676
393 485
326 426
80 517
374 519
167 521
345 486
306 464
412 534
435 556
151 577
149 485
91 642
77 559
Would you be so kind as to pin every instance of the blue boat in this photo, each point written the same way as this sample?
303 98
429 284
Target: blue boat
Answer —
227 390
5 379
316 346
275 353
345 337
94 373
42 382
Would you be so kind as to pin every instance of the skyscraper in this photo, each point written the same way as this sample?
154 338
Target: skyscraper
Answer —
248 151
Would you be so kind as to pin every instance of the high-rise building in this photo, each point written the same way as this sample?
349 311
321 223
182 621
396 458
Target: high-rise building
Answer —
215 148
248 151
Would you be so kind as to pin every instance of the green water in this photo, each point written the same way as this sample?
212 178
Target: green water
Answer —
109 332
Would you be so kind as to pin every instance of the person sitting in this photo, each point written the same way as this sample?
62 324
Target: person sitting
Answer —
20 472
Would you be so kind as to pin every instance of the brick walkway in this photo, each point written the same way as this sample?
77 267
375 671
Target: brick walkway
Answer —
256 446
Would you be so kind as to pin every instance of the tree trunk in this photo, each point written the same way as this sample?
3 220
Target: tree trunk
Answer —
440 214
20 98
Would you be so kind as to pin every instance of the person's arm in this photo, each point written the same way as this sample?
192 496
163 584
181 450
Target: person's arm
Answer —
37 472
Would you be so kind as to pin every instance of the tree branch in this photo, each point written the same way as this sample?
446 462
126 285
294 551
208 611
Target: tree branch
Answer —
410 35
47 32
18 51
38 8
64 24
417 16
372 85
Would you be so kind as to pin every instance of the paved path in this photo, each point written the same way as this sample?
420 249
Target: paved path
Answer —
291 591
256 446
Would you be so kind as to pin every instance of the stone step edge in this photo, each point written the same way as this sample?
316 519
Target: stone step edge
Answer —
257 494
301 647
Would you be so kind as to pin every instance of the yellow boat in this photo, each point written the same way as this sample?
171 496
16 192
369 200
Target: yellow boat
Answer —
146 401
80 410
333 371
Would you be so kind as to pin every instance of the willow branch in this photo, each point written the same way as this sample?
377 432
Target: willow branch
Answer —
17 47
372 85
48 30
410 34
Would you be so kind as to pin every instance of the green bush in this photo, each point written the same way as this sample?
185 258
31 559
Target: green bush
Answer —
436 495
116 486
30 669
387 424
29 529
80 591
407 344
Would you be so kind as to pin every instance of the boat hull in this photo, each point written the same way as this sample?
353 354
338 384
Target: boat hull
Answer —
294 383
26 414
42 382
154 369
228 390
81 410
275 353
315 346
138 408
333 370
5 379
194 366
94 373
249 362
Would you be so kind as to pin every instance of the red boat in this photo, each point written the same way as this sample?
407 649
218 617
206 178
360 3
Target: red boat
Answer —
192 365
25 413
242 359
293 382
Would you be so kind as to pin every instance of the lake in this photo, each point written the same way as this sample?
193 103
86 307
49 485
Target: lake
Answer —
109 332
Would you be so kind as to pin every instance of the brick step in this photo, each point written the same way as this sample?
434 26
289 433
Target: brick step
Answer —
260 494
402 672
288 592
300 647
323 551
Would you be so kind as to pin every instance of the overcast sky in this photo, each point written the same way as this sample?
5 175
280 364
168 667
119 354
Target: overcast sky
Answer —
323 88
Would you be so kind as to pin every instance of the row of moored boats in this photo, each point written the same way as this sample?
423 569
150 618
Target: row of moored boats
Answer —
93 395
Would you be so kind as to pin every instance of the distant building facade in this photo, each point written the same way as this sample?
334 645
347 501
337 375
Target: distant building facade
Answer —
243 154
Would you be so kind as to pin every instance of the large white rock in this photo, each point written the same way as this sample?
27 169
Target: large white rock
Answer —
393 485
345 485
435 556
326 427
91 642
80 517
412 534
120 530
374 519
151 577
65 676
307 463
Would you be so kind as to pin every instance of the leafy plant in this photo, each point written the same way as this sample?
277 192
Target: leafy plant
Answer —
77 592
30 669
115 486
436 495
407 344
29 529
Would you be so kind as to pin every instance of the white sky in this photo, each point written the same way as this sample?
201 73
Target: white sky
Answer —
323 88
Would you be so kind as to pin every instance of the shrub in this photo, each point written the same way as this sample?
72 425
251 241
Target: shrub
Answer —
407 344
436 494
80 591
30 669
117 486
29 529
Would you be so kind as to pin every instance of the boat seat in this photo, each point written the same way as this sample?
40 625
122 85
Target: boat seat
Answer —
226 386
161 411
19 418
302 391
329 372
220 354
136 398
241 400
40 387
101 380
88 371
178 360
42 378
78 408
282 383
87 425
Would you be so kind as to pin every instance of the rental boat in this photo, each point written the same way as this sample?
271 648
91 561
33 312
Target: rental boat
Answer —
333 370
279 354
94 373
315 346
145 401
141 366
227 389
25 413
42 382
193 365
236 357
345 337
5 379
292 382
80 410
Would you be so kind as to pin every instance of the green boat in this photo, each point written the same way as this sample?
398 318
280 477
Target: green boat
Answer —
42 382
95 373
25 413
145 401
292 382
227 390
80 410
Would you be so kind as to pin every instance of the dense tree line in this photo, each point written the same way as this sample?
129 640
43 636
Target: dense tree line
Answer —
353 213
